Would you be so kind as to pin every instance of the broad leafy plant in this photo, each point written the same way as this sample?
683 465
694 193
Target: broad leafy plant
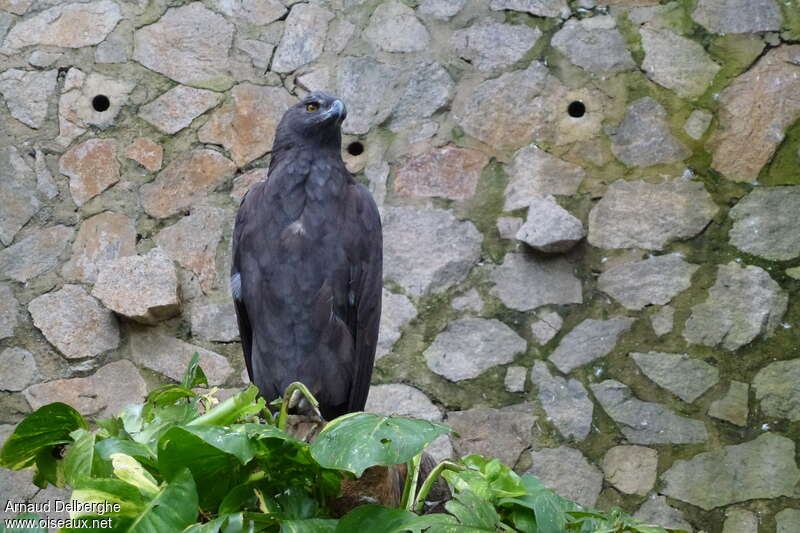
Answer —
183 462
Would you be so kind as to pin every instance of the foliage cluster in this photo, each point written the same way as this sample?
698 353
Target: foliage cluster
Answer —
180 463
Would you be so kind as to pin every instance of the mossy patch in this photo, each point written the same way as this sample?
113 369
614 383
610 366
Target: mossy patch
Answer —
784 168
791 20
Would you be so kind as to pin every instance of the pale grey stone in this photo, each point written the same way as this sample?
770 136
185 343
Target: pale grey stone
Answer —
549 227
566 471
542 8
303 37
653 281
441 449
515 378
27 94
738 16
17 7
15 484
441 9
17 369
68 25
116 48
656 510
340 31
594 44
644 139
366 85
39 58
396 311
427 250
259 12
469 301
143 288
499 433
215 322
676 62
534 172
765 223
35 254
17 193
103 394
401 400
631 469
525 282
101 239
646 422
74 322
733 407
491 46
469 346
759 469
743 303
75 111
260 52
637 214
589 340
153 349
777 389
429 89
786 521
566 402
740 521
188 44
192 242
512 110
178 107
683 376
546 326
662 320
45 183
9 315
393 27
697 124
508 227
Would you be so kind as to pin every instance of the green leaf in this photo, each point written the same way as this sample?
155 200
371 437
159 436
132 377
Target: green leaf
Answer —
387 520
215 467
311 525
174 508
49 467
357 441
549 508
228 523
473 514
106 447
34 519
169 394
81 461
46 427
234 408
194 375
130 471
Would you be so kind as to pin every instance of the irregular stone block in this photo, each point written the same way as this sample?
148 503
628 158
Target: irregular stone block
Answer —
631 469
91 167
594 44
401 400
656 280
765 223
777 389
393 27
499 433
178 107
27 94
101 239
447 172
17 369
646 422
533 172
643 138
589 340
738 16
566 471
566 402
18 193
676 62
637 214
759 469
35 254
303 37
396 312
525 282
74 322
103 394
143 288
215 322
490 46
68 26
469 346
683 376
743 303
733 407
550 228
147 153
9 315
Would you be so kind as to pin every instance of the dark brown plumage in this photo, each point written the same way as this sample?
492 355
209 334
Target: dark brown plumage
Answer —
307 265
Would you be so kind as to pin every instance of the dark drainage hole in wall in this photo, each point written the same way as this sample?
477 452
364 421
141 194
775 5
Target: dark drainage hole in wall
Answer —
100 102
355 148
576 109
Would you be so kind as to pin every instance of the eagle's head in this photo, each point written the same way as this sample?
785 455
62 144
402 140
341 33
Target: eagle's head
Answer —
317 117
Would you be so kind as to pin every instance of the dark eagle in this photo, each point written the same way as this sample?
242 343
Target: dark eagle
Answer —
307 274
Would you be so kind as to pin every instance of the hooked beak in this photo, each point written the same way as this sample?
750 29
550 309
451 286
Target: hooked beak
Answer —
337 110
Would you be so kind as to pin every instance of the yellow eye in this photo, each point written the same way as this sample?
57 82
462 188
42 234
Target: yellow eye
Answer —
313 106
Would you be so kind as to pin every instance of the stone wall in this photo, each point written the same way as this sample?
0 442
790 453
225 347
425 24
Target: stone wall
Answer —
590 208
